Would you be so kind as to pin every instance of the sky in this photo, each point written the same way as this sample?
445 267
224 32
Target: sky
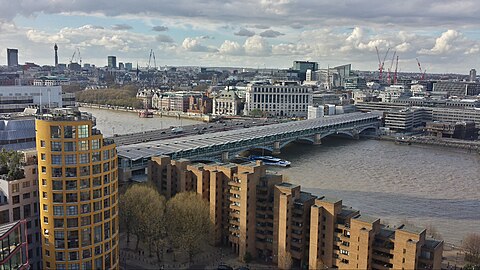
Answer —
443 34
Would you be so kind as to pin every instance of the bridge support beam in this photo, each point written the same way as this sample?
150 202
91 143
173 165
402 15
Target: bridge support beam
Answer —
225 156
276 148
317 139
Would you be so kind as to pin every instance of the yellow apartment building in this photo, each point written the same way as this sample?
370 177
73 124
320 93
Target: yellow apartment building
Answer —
78 186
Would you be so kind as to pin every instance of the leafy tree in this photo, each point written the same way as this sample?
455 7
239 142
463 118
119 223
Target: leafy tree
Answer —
142 210
471 244
113 96
11 164
256 113
188 222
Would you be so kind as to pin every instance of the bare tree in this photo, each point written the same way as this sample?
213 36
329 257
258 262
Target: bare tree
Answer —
432 231
471 244
188 222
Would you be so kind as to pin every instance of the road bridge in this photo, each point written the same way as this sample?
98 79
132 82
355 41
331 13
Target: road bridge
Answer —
220 146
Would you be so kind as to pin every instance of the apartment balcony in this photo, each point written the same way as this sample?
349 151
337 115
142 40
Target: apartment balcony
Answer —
382 257
235 207
234 191
234 183
380 265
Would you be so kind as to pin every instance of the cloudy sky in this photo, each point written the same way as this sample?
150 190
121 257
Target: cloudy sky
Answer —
443 34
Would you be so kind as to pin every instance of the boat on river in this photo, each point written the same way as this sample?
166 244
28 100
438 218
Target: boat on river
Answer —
269 160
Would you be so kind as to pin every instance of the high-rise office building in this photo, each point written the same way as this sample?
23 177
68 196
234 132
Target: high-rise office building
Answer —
78 192
112 61
128 66
473 75
254 212
12 57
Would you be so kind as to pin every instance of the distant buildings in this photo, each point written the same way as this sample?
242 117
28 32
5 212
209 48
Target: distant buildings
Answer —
17 98
458 89
254 212
227 102
12 57
14 246
112 62
303 66
473 75
286 99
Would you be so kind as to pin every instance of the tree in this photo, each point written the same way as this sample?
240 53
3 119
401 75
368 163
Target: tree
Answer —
142 210
188 222
433 232
11 164
471 244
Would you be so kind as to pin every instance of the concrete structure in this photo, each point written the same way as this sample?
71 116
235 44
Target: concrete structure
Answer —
473 75
55 48
14 246
406 120
78 192
17 133
254 212
458 89
12 57
112 61
315 112
133 158
302 67
17 98
282 100
19 202
459 130
227 102
51 81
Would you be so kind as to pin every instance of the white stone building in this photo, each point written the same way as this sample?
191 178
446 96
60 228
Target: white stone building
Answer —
287 99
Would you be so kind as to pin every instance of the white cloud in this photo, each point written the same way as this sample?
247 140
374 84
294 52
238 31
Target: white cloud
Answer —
194 45
257 46
231 48
444 43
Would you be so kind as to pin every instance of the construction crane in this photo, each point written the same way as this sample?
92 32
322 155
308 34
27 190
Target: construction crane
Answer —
152 55
78 57
381 63
395 74
422 72
389 78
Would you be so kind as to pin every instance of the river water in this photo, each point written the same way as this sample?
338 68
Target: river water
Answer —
421 184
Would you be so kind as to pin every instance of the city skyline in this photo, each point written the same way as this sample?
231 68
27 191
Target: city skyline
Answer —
255 34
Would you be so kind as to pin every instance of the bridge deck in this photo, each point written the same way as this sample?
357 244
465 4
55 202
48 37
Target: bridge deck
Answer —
169 146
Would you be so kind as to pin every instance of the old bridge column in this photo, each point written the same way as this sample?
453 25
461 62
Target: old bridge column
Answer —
317 139
276 148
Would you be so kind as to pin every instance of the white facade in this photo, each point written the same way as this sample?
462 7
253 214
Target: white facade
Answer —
51 81
17 98
278 100
315 112
226 103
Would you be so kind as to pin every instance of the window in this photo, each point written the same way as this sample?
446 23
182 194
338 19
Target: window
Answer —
56 146
59 256
86 237
45 207
58 197
85 171
72 197
83 131
84 158
85 221
58 223
16 199
73 256
55 132
97 234
97 181
85 196
97 206
72 210
58 211
95 144
57 185
97 218
85 208
45 220
106 166
87 253
59 239
57 159
15 188
26 196
70 159
72 237
83 145
71 172
42 144
106 179
69 146
106 154
97 193
44 182
56 172
71 185
84 183
72 222
96 169
43 156
27 212
96 156
69 132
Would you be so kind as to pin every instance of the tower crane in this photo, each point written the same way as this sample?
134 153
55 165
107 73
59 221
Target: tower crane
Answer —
381 63
78 57
422 72
389 78
152 55
395 75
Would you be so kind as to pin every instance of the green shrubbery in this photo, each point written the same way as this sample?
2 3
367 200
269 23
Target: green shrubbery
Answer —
124 97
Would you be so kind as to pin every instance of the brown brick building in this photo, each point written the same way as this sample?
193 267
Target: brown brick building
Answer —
256 213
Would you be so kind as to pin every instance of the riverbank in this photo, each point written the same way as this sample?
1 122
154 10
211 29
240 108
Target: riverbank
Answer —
171 114
444 142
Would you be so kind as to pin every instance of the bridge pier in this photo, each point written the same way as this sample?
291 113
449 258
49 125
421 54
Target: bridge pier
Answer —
317 139
225 157
276 148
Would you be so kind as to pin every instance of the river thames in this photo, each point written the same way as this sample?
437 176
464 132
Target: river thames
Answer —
420 184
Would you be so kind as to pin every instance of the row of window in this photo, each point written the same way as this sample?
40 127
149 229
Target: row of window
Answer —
102 262
83 145
281 98
80 184
84 196
69 132
69 159
25 184
280 90
82 171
